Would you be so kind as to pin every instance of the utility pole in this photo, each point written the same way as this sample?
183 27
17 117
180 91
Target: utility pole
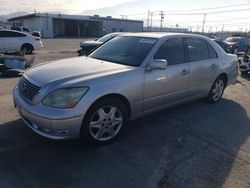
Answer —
151 21
204 21
162 18
148 19
123 16
222 29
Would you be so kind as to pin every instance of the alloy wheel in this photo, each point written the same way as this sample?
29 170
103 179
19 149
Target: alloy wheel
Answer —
105 123
218 89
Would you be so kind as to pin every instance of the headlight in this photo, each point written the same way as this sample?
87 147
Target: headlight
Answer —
65 98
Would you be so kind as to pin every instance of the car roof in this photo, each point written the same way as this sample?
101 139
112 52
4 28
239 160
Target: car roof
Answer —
161 35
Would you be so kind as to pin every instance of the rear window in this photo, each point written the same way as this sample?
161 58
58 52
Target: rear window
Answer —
212 52
197 49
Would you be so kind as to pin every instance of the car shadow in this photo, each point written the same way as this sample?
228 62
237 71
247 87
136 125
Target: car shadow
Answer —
192 145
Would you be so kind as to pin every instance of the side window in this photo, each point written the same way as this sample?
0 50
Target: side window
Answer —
197 49
26 29
172 50
12 34
212 52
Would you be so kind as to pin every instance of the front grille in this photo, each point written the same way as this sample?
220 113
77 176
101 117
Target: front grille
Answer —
27 89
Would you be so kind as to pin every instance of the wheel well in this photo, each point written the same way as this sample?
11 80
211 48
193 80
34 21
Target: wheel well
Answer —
27 45
224 76
119 97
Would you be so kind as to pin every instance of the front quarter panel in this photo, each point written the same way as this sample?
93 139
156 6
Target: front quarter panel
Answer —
128 84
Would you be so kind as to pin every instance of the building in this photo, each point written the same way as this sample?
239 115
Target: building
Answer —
62 25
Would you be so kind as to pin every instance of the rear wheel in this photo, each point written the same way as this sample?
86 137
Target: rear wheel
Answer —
104 121
27 48
216 90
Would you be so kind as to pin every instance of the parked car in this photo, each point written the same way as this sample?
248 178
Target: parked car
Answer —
238 44
27 30
15 41
221 43
88 46
125 78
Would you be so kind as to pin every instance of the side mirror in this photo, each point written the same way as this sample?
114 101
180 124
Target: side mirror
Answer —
160 64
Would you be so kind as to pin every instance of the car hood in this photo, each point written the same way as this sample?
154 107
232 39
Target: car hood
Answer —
80 68
90 43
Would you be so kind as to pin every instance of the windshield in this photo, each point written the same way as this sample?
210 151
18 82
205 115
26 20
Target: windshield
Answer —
105 38
232 39
125 50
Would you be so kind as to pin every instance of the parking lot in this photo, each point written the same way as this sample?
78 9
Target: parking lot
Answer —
192 145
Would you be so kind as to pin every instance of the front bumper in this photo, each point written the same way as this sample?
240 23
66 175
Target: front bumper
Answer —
58 128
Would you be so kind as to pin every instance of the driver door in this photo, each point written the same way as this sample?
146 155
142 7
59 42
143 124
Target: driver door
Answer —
166 87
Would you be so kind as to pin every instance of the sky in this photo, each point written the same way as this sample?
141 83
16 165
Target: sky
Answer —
181 13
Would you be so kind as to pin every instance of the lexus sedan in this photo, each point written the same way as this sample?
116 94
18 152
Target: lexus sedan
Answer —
127 77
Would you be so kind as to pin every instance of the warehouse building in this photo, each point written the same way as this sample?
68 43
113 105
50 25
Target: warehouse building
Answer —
61 25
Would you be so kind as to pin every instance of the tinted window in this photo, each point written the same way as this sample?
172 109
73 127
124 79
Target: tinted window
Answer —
124 50
197 49
25 29
11 34
172 50
212 52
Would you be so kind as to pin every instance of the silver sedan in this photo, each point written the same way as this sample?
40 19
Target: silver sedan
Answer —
127 77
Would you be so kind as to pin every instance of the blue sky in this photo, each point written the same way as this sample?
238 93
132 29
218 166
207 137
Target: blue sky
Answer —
137 9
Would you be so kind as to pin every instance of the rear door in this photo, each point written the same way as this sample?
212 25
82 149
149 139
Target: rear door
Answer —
12 41
163 87
204 65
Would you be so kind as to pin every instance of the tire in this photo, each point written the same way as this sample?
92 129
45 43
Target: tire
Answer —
244 73
28 48
216 90
104 121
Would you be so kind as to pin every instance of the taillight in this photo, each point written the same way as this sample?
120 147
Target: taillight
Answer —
38 39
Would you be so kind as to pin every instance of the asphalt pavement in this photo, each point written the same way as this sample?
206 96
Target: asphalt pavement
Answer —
191 145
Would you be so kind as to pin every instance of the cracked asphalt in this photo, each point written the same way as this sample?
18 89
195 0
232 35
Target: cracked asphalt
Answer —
191 145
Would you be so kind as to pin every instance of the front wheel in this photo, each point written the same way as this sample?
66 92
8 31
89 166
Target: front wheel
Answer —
104 121
216 90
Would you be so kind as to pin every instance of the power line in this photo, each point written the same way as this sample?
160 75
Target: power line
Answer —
210 8
211 12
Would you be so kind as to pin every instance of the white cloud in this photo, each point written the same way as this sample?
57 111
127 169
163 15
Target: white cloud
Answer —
66 6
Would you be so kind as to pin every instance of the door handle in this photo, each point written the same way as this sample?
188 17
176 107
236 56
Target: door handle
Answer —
213 66
184 72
